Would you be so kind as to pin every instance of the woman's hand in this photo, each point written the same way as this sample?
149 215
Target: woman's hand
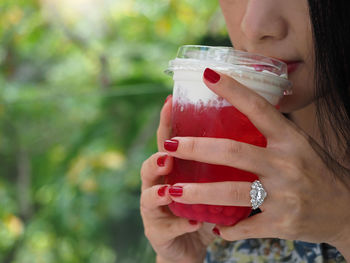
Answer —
305 200
174 239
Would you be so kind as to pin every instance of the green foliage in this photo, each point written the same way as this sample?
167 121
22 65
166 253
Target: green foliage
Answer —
81 87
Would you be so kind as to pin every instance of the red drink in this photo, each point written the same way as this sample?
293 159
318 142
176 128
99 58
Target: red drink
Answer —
218 122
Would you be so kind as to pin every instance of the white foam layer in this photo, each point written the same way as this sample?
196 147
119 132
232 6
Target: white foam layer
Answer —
195 92
189 86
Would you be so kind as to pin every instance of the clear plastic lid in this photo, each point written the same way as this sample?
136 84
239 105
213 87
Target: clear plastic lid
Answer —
227 59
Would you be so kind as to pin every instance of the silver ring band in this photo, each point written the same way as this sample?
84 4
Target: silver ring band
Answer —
257 194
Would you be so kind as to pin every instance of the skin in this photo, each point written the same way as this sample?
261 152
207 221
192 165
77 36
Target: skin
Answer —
306 201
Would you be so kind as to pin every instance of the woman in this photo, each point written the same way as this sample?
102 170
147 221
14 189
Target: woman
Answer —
305 166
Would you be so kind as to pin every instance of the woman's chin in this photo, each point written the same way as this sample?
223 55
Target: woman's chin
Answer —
291 103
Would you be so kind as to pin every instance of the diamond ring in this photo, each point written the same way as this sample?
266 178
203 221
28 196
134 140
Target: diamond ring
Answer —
257 194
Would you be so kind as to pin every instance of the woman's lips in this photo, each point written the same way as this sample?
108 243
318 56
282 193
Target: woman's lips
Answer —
291 65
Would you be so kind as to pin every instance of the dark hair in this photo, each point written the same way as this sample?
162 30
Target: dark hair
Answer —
330 22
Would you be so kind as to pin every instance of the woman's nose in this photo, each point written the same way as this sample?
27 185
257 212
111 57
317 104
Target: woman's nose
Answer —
263 21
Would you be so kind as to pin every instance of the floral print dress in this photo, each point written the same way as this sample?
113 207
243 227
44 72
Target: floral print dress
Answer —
271 250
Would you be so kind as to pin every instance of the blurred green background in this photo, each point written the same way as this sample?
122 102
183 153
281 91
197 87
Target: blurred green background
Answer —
81 87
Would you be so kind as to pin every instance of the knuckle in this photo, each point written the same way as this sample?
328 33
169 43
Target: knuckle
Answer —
143 168
191 146
296 138
159 133
234 192
144 164
293 203
142 213
148 165
259 105
291 167
146 201
143 206
291 223
233 149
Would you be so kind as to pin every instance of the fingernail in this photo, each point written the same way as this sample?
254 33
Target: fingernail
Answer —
168 98
277 107
175 191
193 222
211 76
161 190
216 231
171 145
161 160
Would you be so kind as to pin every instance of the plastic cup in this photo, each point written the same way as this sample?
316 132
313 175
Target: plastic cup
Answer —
198 112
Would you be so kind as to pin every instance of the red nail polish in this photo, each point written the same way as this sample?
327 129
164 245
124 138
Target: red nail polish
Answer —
277 107
193 222
161 190
168 98
216 231
171 145
161 160
175 191
211 76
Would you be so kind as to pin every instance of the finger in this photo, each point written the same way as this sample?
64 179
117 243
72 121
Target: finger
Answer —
154 168
170 228
258 110
161 225
223 152
257 226
220 193
164 128
152 201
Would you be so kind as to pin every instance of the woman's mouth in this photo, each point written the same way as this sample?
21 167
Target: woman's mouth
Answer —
291 65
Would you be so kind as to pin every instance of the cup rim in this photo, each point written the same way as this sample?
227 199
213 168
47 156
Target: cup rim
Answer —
226 59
